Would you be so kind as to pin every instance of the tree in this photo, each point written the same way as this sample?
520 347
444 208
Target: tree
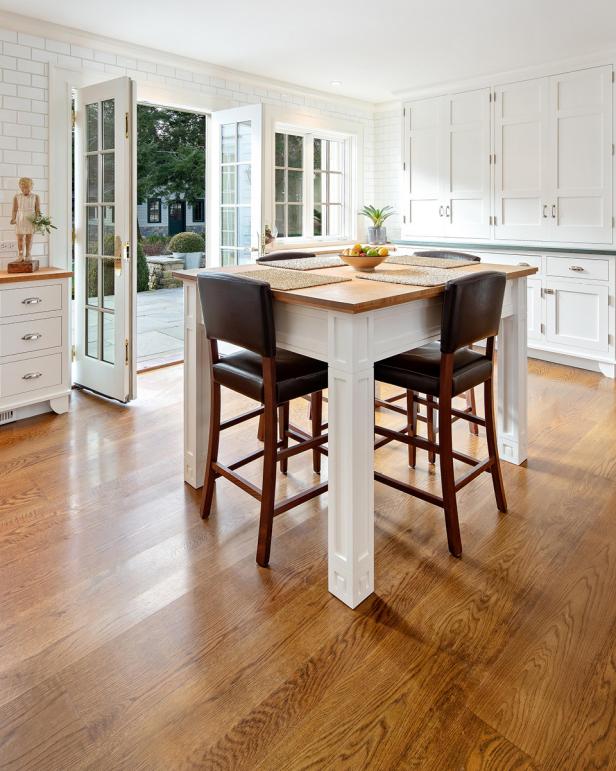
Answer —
170 154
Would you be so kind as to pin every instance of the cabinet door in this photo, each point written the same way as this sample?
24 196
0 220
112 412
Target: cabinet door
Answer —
577 314
466 164
581 155
534 309
423 207
522 165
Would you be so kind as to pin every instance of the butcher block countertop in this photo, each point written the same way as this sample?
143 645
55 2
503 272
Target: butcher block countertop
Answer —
38 275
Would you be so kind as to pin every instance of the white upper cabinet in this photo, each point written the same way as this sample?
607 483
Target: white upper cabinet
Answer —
465 174
447 171
553 171
581 156
521 168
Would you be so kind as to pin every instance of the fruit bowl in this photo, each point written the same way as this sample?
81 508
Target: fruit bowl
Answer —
358 259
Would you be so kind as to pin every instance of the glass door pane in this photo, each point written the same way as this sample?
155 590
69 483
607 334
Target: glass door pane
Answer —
235 192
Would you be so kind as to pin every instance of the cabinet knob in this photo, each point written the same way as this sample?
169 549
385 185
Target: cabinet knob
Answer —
32 375
32 336
576 268
31 301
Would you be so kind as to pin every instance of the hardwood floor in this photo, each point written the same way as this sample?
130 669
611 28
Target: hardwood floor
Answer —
134 635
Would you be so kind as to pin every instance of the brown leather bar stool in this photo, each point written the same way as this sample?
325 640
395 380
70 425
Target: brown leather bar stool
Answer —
430 417
472 308
315 410
240 311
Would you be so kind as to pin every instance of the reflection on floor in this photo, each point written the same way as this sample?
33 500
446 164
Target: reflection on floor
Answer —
160 331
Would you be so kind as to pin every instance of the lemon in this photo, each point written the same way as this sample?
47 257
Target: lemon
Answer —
357 248
383 251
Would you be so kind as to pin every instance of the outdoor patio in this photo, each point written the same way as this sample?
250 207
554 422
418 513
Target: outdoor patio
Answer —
160 334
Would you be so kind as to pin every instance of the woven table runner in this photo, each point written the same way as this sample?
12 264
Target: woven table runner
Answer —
279 278
308 263
413 276
428 262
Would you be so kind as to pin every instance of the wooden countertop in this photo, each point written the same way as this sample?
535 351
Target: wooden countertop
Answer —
40 275
359 295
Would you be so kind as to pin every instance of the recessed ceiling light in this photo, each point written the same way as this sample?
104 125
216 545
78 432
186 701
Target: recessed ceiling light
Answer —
335 83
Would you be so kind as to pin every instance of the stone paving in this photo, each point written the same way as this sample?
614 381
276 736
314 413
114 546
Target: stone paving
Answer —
160 330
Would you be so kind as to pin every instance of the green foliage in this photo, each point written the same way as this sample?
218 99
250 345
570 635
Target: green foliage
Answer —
142 269
183 243
378 216
155 245
170 154
42 224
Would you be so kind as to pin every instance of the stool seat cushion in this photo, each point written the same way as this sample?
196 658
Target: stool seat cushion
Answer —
296 375
419 370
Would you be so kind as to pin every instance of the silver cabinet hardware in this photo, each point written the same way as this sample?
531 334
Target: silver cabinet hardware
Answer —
440 211
545 210
548 291
32 336
524 264
447 211
32 301
32 375
576 268
554 211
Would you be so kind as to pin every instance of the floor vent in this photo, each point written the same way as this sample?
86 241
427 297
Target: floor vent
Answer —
8 416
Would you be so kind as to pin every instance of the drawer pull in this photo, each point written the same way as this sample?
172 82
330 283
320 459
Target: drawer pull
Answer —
548 291
32 336
524 264
576 268
32 375
31 301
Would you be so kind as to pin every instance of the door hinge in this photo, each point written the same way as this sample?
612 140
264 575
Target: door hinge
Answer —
73 353
126 125
73 235
126 351
73 117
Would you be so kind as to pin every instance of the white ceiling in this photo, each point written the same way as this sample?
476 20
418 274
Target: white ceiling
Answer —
373 48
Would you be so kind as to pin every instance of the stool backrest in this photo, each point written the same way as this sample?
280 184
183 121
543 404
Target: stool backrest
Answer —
239 311
472 308
273 256
447 254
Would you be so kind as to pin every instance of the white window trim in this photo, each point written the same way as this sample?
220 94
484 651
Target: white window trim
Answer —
349 203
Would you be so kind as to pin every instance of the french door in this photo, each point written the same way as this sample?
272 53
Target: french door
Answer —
105 239
236 194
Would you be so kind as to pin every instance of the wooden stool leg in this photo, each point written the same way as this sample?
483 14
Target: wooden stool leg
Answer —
268 492
430 424
497 478
212 451
471 406
316 418
411 416
261 428
447 478
283 428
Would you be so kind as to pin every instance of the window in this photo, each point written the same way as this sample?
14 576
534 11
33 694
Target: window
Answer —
289 186
328 187
235 182
311 188
198 211
154 215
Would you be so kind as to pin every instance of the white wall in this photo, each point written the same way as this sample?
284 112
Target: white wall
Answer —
24 103
386 171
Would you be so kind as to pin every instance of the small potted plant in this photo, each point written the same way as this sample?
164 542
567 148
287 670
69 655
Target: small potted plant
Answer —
188 247
377 234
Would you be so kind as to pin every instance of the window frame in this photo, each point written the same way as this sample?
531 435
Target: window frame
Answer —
160 211
200 203
349 223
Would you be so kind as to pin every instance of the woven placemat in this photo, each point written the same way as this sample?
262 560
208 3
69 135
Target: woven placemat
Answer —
413 276
428 262
280 278
309 263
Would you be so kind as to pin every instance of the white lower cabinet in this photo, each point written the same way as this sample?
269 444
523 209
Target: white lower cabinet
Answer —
534 309
577 314
34 344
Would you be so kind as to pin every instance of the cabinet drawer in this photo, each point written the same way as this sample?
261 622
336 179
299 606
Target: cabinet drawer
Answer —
534 260
580 267
30 299
25 336
22 377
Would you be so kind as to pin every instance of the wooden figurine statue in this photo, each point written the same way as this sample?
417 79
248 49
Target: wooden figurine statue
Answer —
26 206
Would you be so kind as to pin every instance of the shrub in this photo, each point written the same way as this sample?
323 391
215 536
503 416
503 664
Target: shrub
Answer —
143 277
182 243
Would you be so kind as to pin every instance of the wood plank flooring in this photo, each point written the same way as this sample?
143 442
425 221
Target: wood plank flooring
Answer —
135 636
